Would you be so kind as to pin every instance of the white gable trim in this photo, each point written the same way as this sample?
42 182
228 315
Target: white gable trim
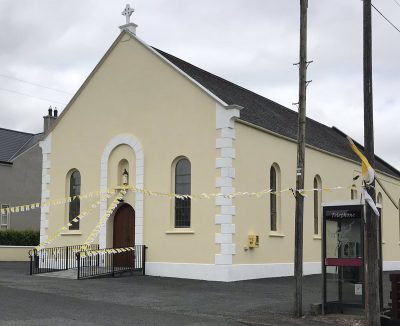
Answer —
123 139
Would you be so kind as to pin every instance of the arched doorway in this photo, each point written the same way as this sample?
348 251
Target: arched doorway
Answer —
124 234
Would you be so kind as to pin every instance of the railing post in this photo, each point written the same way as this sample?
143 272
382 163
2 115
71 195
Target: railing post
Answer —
31 258
112 262
66 263
144 260
78 258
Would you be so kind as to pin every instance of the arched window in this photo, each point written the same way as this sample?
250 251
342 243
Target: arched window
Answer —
75 204
379 199
354 194
275 186
317 203
182 187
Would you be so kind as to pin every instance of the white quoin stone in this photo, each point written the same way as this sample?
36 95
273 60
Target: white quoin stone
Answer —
228 133
223 143
228 172
228 210
222 201
223 162
228 228
223 238
228 249
228 152
223 259
223 219
223 182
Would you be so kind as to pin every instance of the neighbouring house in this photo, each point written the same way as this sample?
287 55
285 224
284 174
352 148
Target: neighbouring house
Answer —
21 176
175 128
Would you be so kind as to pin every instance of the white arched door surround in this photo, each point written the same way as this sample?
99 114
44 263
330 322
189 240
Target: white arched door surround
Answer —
131 141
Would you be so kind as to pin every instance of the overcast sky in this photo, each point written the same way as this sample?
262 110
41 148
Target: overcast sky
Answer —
253 43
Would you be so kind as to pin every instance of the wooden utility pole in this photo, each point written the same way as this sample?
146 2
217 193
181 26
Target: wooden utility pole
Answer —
301 135
372 304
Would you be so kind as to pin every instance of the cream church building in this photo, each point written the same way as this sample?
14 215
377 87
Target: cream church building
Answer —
159 123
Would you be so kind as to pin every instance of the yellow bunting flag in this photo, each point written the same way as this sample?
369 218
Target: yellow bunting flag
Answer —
367 171
368 175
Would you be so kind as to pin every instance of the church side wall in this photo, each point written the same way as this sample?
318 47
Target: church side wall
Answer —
256 152
134 92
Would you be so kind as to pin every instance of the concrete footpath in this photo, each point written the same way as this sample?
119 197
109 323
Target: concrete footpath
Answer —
143 300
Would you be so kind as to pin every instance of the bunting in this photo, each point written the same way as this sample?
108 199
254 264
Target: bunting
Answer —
368 175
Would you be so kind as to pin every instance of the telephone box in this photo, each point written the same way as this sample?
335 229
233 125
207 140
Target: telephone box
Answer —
342 256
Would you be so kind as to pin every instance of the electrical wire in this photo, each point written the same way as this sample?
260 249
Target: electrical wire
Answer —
385 17
397 2
38 85
36 97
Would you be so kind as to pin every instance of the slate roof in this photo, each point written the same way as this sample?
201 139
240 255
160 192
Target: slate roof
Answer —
272 116
13 143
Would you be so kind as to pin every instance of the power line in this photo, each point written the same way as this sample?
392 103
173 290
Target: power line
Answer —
396 2
38 85
385 18
36 97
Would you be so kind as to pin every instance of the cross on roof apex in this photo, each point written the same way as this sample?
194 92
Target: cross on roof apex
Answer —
127 12
129 26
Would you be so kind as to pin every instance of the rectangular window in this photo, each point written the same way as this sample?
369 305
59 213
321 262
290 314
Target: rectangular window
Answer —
5 218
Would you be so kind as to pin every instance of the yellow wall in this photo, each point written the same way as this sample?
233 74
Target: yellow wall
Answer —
256 151
14 253
135 92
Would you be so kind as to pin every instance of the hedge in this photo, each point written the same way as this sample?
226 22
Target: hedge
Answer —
19 238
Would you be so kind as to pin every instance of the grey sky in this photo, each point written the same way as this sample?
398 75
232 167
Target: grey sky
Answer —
252 43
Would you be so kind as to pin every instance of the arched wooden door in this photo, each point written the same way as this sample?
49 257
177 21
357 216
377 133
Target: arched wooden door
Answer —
124 234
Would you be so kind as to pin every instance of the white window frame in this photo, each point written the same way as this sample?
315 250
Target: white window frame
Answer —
2 225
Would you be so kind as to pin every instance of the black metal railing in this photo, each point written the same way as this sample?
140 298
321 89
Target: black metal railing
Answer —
95 264
55 259
394 304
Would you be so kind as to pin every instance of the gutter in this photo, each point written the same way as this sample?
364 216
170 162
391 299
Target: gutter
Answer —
6 163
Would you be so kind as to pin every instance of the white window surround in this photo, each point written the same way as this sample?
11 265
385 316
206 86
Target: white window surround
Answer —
278 212
225 127
317 208
6 225
173 229
130 140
